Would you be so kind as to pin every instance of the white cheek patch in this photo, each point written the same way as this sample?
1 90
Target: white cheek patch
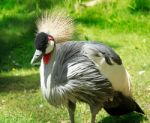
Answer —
116 74
50 47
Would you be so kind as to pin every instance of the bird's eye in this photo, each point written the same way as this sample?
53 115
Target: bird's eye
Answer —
37 55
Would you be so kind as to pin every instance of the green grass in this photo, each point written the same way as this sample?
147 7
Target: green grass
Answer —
143 5
116 24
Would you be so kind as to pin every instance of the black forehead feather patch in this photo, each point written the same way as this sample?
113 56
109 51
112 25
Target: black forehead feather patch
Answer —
41 41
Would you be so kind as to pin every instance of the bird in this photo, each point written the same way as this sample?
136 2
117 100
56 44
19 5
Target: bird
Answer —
80 71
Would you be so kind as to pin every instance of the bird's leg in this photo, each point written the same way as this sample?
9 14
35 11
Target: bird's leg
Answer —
71 110
94 110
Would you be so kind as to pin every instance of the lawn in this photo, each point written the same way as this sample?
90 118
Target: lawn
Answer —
119 24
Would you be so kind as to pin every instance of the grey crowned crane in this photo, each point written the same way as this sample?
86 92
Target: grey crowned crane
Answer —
72 71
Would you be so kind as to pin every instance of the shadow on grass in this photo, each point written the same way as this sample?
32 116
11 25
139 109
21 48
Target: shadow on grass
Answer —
17 31
19 83
16 37
128 118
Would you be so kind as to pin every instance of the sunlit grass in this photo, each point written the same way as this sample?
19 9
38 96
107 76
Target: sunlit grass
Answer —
19 72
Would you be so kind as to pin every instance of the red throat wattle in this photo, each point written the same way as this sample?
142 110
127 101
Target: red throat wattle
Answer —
46 58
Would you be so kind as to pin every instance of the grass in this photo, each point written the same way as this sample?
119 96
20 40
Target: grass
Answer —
143 5
116 24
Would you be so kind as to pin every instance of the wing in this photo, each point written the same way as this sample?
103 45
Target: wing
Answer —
87 83
109 65
79 76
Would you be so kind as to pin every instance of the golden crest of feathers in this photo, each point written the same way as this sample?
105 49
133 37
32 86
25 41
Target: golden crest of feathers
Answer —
57 24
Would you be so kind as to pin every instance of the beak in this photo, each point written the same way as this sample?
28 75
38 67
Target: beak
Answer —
37 57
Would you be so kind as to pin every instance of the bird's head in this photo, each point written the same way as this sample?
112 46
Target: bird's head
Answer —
44 45
60 27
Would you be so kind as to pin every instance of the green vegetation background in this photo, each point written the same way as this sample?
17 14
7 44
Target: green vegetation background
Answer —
123 25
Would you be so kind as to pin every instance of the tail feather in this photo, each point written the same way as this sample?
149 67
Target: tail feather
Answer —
121 105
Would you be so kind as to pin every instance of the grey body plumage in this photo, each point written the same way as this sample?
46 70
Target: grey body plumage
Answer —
72 71
78 75
73 76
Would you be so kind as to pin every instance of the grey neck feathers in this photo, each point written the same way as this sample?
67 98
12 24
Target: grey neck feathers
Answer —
45 75
52 92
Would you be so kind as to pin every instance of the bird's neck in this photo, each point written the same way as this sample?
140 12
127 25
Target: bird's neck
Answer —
46 70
